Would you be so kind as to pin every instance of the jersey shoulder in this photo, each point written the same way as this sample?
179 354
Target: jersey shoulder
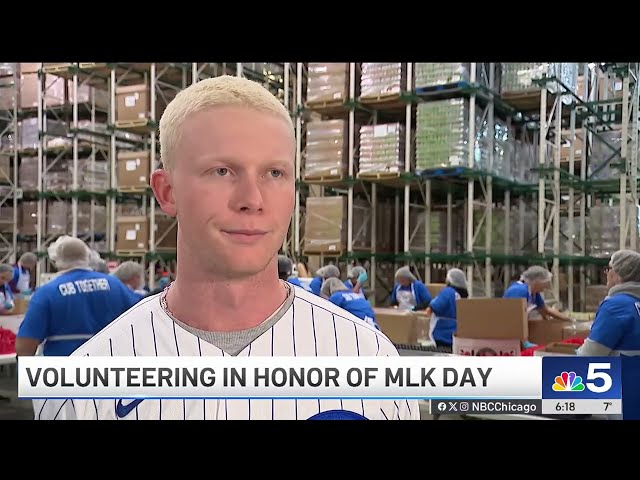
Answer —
374 340
120 329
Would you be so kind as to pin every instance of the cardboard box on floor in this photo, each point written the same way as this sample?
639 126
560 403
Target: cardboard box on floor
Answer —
400 326
545 331
473 347
492 319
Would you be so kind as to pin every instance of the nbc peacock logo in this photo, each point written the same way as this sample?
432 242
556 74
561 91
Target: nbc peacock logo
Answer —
568 382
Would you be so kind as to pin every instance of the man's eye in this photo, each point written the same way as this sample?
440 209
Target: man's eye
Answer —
222 171
276 173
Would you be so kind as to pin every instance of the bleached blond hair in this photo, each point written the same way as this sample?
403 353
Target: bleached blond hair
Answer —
213 92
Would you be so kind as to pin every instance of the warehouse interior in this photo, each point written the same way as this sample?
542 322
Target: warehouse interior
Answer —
488 167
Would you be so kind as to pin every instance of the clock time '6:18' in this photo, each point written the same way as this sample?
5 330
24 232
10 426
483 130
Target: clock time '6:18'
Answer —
565 406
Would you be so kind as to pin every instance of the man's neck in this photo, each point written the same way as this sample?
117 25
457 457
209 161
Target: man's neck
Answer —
225 305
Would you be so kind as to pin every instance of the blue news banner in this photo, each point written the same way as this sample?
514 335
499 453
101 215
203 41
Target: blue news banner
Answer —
571 385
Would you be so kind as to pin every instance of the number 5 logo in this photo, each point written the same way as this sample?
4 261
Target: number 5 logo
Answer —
594 374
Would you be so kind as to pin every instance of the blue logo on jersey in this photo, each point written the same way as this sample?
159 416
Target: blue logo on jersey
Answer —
124 410
338 415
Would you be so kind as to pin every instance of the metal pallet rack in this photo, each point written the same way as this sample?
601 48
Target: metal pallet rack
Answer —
9 191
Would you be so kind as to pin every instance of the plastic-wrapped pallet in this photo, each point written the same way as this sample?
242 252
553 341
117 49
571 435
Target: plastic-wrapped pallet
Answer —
28 173
603 155
325 228
327 82
7 69
57 214
442 136
519 77
327 150
30 134
84 219
382 79
418 230
94 175
603 229
382 149
58 177
436 74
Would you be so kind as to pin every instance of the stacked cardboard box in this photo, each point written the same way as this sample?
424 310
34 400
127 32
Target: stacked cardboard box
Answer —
490 326
401 326
94 175
84 219
28 173
382 79
326 225
55 92
133 169
132 233
6 217
58 177
29 218
133 103
30 134
382 148
327 82
327 151
58 213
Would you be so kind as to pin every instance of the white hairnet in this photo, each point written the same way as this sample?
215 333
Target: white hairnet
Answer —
356 271
405 272
536 274
128 270
456 278
69 252
328 271
626 263
331 286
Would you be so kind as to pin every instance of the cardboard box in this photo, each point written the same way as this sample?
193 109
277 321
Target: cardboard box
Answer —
132 233
166 232
544 332
435 288
132 103
474 347
133 169
327 151
557 349
20 306
400 326
577 330
492 318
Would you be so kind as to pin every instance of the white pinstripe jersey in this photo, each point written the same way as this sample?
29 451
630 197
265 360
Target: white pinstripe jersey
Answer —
311 326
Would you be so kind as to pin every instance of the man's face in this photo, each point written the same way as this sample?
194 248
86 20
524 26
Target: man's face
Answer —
405 282
613 278
233 188
5 277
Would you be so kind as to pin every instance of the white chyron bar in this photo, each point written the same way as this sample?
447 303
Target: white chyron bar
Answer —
280 377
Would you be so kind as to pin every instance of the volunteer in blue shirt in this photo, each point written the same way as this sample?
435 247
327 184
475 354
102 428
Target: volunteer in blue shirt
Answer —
355 281
443 308
21 280
616 328
285 271
328 271
409 293
132 275
77 304
6 295
339 294
530 287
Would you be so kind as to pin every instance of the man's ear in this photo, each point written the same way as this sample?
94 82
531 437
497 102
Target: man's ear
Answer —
163 191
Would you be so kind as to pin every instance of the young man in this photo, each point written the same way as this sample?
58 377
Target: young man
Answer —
227 149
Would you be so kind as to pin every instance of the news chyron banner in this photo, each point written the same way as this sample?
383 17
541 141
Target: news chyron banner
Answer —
453 384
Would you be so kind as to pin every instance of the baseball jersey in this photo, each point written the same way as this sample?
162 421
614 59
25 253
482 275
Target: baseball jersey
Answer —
305 325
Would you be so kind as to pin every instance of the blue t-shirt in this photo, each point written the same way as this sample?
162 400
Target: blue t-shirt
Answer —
617 324
418 290
354 304
78 302
521 290
444 315
316 285
296 281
